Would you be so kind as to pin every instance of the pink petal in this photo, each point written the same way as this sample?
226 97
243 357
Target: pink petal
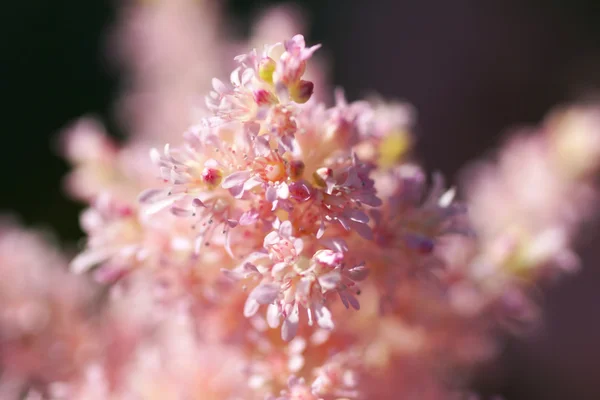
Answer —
152 195
181 212
295 362
236 179
249 268
265 293
232 274
261 146
348 298
88 259
358 216
363 230
359 273
271 194
249 217
323 316
321 230
329 257
234 77
299 191
298 245
290 325
337 244
330 280
155 156
219 86
198 203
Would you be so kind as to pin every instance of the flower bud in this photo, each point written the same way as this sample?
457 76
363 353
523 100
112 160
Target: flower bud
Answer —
266 68
302 91
296 169
264 97
212 177
322 175
281 121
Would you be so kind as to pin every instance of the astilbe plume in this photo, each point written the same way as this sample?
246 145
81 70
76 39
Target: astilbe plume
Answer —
283 249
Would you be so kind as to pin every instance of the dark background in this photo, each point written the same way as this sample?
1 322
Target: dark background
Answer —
472 69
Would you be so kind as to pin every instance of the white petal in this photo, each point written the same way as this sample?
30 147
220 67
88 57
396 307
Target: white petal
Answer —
251 183
285 230
273 316
251 307
283 191
324 317
155 156
160 205
446 199
271 239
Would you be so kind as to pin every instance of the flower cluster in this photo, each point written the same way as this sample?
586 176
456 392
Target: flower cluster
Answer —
229 240
244 167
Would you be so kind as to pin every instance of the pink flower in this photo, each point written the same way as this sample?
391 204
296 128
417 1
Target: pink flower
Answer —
293 61
282 246
290 282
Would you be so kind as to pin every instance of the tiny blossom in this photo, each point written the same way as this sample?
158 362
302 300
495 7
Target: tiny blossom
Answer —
280 244
337 378
346 187
418 218
292 281
115 237
344 120
293 63
260 83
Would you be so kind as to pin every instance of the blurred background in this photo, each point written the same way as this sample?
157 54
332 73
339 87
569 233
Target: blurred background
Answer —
472 69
